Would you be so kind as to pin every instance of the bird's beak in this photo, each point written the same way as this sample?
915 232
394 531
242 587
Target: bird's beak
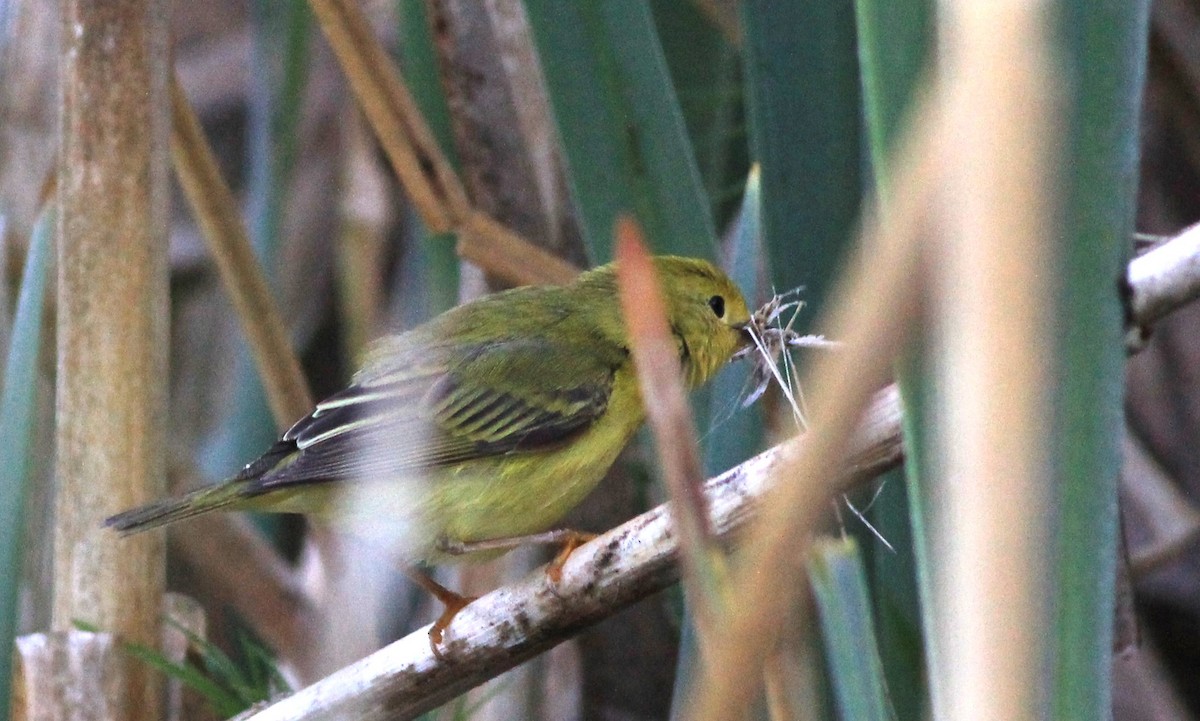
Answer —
745 342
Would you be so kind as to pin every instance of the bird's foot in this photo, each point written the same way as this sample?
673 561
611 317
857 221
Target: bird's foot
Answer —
454 602
572 540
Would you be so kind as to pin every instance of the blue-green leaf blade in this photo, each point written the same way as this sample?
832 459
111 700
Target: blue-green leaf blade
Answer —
18 416
848 631
1102 48
804 105
626 143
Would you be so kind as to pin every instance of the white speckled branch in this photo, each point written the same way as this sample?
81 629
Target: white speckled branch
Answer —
1160 281
517 622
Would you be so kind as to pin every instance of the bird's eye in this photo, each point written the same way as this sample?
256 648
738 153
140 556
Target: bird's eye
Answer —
717 303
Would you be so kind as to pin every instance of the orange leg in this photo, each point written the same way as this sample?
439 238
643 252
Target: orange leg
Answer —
454 602
568 539
574 540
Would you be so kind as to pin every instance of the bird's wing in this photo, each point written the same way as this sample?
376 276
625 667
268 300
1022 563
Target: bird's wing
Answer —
514 395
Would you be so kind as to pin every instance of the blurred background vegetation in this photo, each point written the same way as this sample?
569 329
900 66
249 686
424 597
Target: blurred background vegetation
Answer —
557 115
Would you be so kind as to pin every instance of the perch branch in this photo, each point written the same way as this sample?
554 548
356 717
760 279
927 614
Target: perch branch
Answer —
517 622
1160 281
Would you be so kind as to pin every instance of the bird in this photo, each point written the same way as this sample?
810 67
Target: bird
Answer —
478 430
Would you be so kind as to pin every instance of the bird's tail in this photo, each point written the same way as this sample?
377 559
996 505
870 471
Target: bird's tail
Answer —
169 510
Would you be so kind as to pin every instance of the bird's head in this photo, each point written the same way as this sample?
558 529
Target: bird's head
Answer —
706 312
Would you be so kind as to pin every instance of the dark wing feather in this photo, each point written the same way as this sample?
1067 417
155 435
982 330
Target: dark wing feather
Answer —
516 395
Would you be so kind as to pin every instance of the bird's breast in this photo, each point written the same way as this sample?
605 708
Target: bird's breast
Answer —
528 492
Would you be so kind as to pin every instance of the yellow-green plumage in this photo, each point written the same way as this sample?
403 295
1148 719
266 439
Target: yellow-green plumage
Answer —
491 421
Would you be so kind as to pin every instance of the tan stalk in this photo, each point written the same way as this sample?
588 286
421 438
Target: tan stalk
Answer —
392 112
220 222
53 669
420 165
362 236
221 550
656 358
994 352
507 255
113 195
871 312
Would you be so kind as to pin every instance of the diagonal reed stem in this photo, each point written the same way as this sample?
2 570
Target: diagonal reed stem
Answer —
220 221
419 163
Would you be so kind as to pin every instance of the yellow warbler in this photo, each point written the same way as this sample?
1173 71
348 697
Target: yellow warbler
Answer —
487 423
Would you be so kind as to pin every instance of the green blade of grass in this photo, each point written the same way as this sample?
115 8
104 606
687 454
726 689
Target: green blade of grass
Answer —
224 703
1103 53
626 143
252 680
18 415
805 131
894 40
706 71
803 104
228 687
895 593
848 631
218 666
437 255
